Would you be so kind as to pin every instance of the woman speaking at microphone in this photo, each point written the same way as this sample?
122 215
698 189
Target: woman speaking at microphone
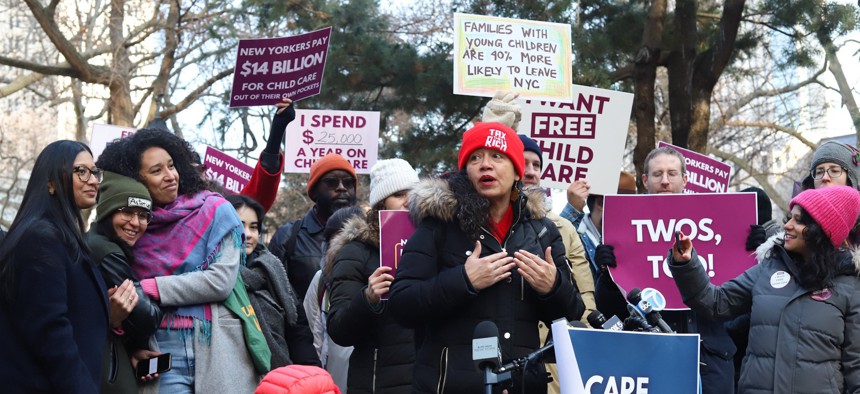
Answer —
482 250
803 297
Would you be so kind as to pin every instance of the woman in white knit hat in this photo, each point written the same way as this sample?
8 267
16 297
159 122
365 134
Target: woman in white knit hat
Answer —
384 351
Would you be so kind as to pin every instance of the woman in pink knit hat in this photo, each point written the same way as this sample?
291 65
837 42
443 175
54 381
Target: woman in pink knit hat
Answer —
803 297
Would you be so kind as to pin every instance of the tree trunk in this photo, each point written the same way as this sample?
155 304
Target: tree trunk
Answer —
171 42
680 66
645 74
708 68
121 107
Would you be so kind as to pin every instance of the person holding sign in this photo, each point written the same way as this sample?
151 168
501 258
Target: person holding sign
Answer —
803 298
384 351
666 173
483 251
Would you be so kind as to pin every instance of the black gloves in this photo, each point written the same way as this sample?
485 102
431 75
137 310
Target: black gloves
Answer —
604 256
270 159
756 237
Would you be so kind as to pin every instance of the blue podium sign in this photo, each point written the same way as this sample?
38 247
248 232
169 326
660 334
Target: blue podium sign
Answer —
619 362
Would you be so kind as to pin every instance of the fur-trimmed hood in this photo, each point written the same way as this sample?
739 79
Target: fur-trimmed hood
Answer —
765 250
354 229
434 198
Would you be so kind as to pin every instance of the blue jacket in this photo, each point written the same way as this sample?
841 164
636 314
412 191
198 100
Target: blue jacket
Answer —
54 329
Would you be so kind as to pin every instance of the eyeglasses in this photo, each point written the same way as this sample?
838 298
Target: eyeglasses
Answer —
657 176
833 172
142 216
84 173
333 183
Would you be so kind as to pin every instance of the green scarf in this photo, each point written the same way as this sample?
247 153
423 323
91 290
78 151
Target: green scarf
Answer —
239 303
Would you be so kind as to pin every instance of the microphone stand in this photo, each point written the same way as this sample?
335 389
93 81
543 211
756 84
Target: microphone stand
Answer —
491 378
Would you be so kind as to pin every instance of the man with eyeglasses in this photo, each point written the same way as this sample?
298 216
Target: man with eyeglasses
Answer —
331 186
665 172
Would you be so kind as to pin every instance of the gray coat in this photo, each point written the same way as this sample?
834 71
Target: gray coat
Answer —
800 341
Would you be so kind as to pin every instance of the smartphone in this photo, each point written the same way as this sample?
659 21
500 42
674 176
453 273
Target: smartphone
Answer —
158 364
678 242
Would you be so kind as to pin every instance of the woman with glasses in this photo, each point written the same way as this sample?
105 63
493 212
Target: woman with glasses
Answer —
123 213
53 308
188 261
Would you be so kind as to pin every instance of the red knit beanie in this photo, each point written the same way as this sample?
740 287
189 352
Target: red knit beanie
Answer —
835 208
329 162
297 379
497 137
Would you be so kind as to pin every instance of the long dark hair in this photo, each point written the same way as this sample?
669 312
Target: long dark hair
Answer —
238 201
822 267
41 208
473 210
123 156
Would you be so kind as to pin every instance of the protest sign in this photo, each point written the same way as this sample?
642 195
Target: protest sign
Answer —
395 228
600 361
104 133
226 170
704 174
269 69
315 133
642 230
502 54
582 138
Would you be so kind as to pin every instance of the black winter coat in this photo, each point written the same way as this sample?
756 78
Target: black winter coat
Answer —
303 262
384 352
432 293
54 329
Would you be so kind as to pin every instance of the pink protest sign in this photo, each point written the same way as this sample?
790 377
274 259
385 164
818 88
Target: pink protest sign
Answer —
395 228
704 174
224 169
316 133
642 230
269 69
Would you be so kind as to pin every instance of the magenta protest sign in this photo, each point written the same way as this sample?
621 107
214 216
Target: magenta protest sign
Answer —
229 172
704 174
395 228
642 230
269 69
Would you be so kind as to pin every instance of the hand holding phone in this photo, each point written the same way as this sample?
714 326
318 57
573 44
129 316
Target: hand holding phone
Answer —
154 365
678 242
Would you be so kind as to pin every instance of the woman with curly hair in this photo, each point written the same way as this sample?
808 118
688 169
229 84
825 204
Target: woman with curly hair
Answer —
803 299
188 260
482 250
53 309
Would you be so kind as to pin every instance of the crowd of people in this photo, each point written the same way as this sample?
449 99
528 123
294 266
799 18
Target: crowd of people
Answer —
174 264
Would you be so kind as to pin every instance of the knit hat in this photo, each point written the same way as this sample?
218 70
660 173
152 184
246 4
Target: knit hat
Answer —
845 155
390 176
328 163
835 208
626 183
503 109
529 145
497 137
765 210
117 191
297 379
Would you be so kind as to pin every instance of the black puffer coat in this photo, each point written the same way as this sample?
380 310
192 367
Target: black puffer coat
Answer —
384 350
432 293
